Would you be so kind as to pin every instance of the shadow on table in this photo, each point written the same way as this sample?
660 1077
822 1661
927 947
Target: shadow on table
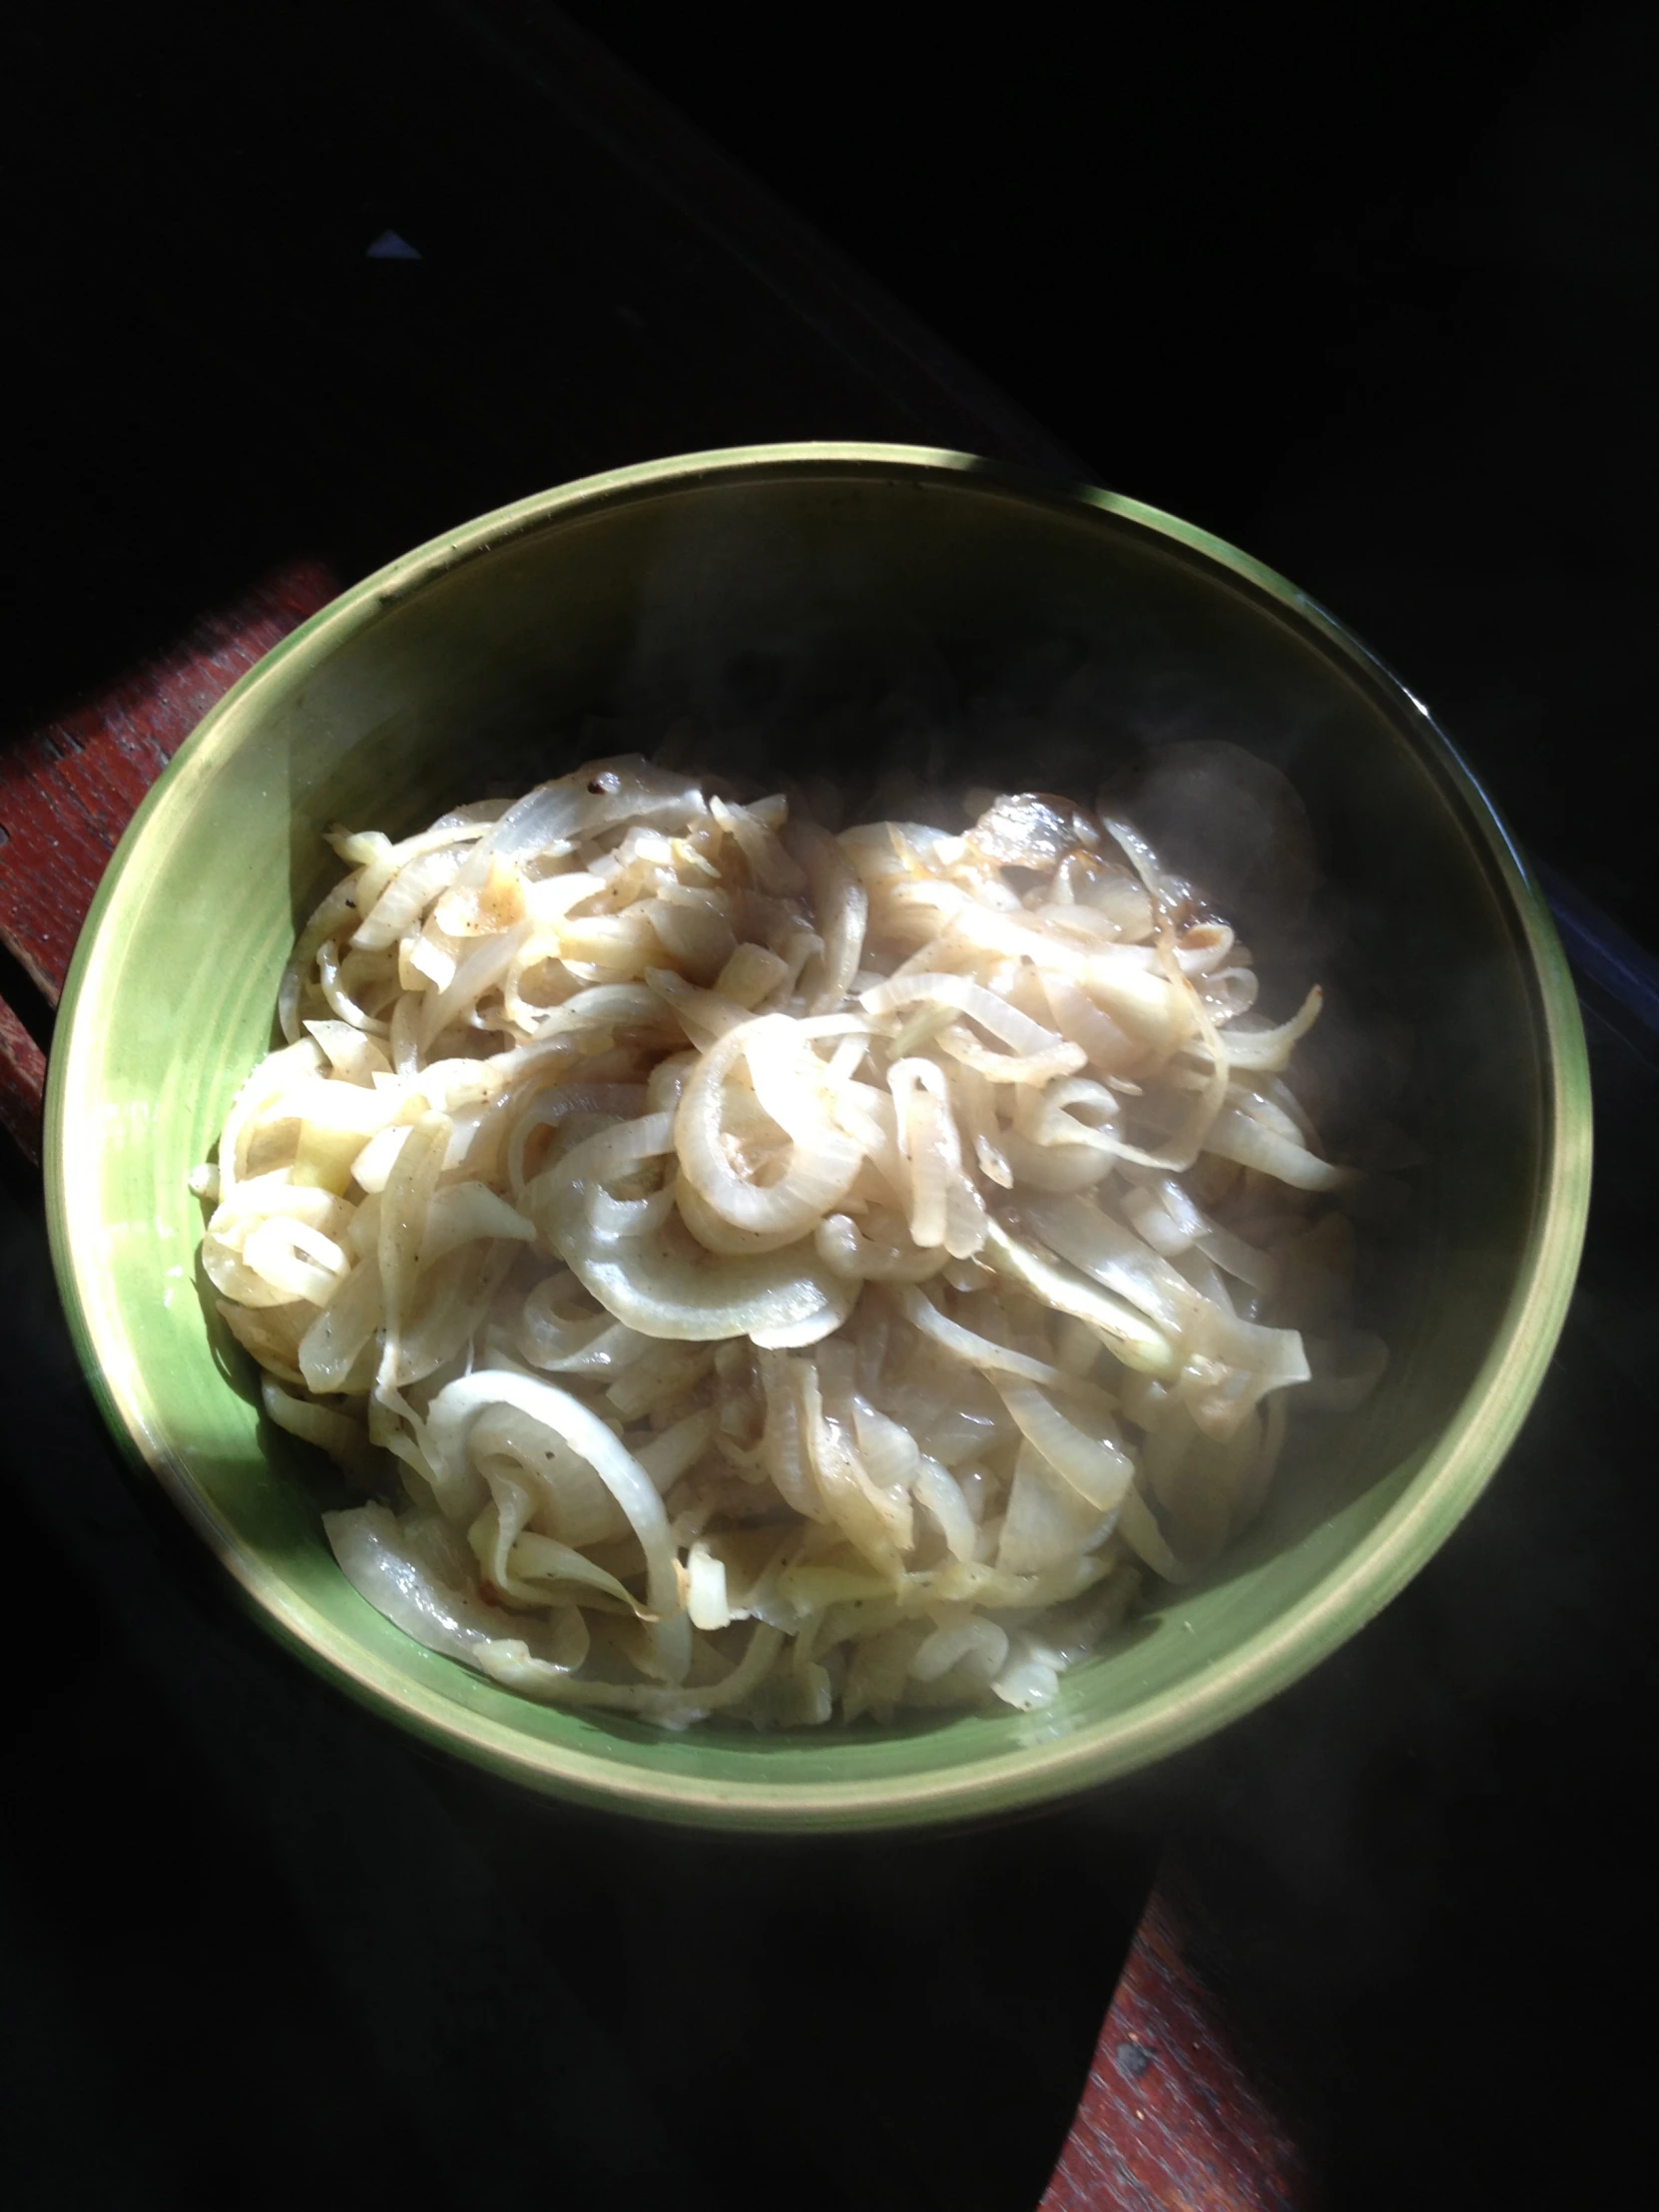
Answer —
1422 1880
836 2022
259 1935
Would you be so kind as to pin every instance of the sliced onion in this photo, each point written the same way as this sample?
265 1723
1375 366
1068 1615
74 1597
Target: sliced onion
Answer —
1048 1520
1096 1466
841 906
1241 1137
718 1235
459 1405
939 1495
407 895
698 936
590 1343
296 1259
1135 1341
592 799
875 1520
377 1556
1010 1067
468 1209
344 1439
875 1250
1115 1257
1270 1049
966 1344
329 1351
1058 1168
822 1160
668 1284
1077 1018
668 1456
478 973
1007 1023
1202 946
353 1055
602 1006
547 1108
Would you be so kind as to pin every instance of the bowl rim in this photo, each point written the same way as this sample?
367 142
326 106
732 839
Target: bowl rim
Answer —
1452 1477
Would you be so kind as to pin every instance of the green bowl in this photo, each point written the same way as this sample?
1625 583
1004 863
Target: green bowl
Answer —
787 605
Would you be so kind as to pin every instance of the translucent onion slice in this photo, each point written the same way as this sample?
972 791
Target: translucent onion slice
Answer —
1059 1168
587 1343
1115 1257
967 1345
876 1249
1048 1520
483 967
718 1234
668 1284
459 1405
1128 1334
535 1558
1139 1529
876 1521
520 1456
1235 1135
258 1197
698 937
1096 1466
269 1335
1004 1022
329 1351
841 906
465 1211
1077 1018
377 1557
789 1079
1011 1067
592 799
275 1076
970 1651
344 1439
667 1456
1202 946
353 1055
296 1259
545 1109
938 1493
601 1006
407 895
1271 1049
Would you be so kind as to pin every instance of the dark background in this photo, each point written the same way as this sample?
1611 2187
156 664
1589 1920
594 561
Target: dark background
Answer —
1369 291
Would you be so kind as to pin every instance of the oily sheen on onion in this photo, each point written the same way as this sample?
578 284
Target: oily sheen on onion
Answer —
754 1271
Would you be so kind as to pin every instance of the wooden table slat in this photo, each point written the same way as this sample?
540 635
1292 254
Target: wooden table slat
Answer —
69 788
1170 2115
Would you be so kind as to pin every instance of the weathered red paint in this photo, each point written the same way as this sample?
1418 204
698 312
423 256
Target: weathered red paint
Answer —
69 788
1170 2119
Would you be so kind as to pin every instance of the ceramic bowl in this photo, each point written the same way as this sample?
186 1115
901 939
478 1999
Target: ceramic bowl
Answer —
804 611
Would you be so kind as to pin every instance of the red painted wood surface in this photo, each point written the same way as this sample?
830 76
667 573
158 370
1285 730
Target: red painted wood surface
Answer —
1169 2120
22 1082
69 788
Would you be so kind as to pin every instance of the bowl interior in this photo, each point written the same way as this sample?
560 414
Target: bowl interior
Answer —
850 618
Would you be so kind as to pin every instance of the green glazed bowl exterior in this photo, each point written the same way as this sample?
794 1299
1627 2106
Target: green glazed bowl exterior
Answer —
788 600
